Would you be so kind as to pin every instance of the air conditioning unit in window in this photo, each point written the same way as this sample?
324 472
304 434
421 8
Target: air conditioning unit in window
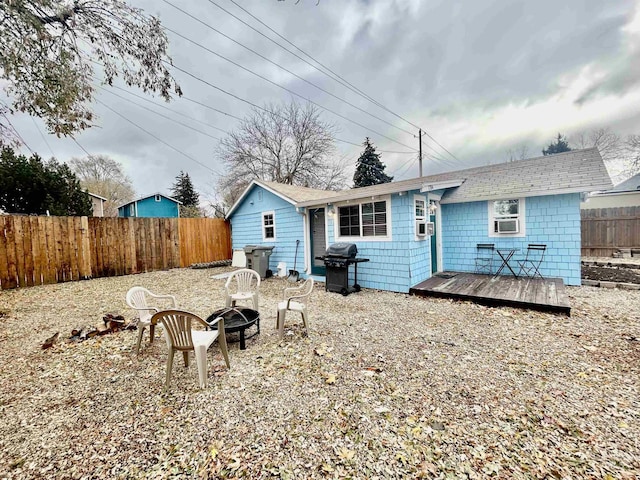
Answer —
507 225
421 228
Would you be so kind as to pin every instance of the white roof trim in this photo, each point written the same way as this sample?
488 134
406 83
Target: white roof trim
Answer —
248 189
428 187
96 196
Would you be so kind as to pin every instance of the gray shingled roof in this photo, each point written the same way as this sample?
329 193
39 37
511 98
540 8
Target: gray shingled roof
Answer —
568 172
296 193
574 171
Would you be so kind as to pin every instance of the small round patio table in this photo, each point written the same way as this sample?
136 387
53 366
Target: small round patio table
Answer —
236 319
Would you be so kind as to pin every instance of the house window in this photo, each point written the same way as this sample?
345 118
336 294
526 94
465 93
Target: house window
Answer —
368 219
506 217
268 226
420 213
158 198
132 210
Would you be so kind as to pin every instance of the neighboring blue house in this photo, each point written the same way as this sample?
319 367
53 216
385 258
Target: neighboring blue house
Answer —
154 205
414 228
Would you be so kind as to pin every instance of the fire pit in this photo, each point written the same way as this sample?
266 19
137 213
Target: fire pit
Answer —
236 319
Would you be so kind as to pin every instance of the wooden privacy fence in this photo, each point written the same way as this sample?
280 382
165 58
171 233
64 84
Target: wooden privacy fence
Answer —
605 230
40 250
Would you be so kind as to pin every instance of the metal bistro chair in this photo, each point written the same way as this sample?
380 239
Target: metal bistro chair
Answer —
484 258
530 266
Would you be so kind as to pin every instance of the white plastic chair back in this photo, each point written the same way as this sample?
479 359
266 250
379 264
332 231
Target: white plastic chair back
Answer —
177 324
242 285
246 281
184 337
137 299
292 303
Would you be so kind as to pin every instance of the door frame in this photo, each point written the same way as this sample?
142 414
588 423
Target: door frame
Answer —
435 198
316 269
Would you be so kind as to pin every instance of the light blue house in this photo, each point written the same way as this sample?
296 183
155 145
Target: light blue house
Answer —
154 205
411 229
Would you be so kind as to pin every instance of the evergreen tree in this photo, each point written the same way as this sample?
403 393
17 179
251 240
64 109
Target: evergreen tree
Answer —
560 145
369 168
31 186
183 190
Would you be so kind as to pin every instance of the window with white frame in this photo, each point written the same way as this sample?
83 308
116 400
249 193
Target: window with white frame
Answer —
268 226
369 219
506 217
420 213
132 210
158 199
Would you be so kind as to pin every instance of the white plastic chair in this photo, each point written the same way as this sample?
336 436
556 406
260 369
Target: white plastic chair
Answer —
138 298
247 284
178 326
291 302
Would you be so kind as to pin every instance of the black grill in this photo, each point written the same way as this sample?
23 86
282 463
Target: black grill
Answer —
337 259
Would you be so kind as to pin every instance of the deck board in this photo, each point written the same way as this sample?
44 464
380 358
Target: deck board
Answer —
546 294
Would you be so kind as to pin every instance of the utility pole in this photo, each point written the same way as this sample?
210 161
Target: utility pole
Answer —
420 150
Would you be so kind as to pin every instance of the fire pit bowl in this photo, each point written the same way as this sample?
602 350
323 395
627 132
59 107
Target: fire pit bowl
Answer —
236 319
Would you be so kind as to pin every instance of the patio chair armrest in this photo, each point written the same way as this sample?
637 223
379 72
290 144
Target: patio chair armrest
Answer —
217 320
155 309
290 292
164 297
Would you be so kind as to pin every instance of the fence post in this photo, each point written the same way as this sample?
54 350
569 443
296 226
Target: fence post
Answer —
85 256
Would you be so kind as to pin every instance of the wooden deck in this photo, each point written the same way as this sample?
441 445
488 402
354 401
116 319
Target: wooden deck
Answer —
547 294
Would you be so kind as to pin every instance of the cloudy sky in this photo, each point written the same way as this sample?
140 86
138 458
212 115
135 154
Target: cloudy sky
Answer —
480 77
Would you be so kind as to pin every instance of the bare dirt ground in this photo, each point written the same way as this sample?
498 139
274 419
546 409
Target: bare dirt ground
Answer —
612 269
385 386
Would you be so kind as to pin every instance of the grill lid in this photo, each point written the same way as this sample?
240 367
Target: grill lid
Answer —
342 249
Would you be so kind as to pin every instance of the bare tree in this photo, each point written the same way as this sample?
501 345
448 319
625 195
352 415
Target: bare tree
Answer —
104 176
632 155
520 152
47 50
609 143
283 143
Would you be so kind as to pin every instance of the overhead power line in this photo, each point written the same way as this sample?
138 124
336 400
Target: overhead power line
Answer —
255 105
281 67
158 138
164 116
336 77
286 89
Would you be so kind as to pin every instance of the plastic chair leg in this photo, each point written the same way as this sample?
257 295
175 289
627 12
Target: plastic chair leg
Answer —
169 367
201 362
280 322
304 320
255 301
227 302
152 333
222 341
140 332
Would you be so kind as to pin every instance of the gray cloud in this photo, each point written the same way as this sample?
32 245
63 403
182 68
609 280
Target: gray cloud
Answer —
441 64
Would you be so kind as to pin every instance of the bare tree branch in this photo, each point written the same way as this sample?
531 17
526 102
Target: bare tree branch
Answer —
287 144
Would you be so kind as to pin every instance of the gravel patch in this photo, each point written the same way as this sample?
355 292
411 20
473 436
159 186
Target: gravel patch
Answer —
385 386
